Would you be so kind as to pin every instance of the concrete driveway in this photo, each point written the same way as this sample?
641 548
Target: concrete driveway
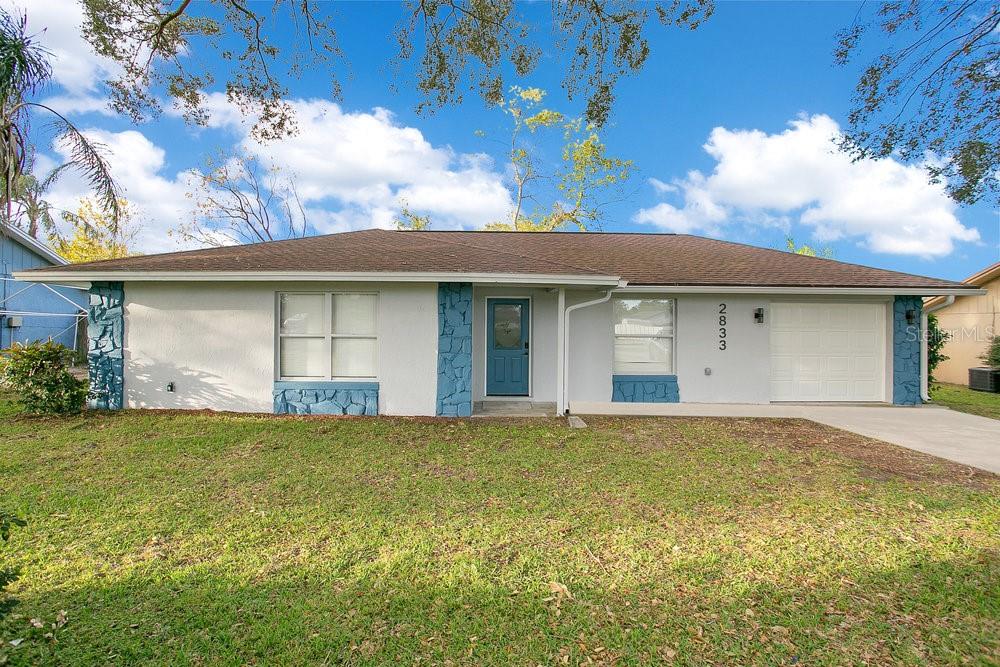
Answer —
956 436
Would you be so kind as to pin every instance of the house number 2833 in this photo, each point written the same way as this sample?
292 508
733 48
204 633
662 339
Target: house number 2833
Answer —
722 326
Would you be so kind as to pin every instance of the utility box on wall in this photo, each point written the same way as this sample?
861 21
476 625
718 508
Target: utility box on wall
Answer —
15 321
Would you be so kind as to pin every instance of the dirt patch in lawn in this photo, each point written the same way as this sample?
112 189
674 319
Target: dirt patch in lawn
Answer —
877 459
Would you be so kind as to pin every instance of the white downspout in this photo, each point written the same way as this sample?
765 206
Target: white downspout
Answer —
564 403
560 350
924 372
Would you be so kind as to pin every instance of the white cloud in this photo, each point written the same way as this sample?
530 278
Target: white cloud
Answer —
799 174
364 165
661 187
138 165
352 171
75 67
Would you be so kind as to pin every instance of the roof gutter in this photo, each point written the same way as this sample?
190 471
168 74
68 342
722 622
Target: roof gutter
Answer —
804 289
925 373
41 276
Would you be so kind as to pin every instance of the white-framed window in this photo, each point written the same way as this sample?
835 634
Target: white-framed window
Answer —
644 336
327 335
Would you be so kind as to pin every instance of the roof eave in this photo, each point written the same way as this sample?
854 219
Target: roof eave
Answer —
68 277
805 289
42 276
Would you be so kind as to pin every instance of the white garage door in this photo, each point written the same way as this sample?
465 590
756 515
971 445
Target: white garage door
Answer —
828 352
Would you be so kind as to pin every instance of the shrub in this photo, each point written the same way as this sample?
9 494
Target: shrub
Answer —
38 374
992 355
8 575
936 338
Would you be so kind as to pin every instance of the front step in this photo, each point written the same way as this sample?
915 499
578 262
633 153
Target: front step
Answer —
513 409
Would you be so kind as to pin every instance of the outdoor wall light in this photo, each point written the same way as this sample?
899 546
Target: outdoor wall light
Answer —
170 387
758 315
911 316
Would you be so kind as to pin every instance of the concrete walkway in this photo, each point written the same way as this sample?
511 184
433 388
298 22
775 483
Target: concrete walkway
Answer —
956 436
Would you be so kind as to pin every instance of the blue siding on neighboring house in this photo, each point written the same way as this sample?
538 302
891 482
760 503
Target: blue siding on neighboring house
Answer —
906 351
23 297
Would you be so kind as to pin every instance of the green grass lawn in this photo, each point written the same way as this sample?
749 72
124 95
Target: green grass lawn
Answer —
963 399
197 539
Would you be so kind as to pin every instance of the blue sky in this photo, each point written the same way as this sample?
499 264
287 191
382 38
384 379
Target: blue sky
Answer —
729 127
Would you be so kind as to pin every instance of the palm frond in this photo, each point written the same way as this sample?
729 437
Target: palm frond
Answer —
53 176
24 64
87 157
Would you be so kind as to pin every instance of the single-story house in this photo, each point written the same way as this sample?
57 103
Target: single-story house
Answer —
31 311
971 321
451 322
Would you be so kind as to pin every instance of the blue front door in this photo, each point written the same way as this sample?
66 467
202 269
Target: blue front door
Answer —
507 347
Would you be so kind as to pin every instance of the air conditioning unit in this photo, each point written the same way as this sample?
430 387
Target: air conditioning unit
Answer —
985 379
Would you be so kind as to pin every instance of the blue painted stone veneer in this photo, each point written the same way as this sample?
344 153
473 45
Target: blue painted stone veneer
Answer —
326 398
106 338
454 381
906 351
645 389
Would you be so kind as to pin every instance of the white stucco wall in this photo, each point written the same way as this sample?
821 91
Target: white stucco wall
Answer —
542 340
215 342
740 373
408 327
591 349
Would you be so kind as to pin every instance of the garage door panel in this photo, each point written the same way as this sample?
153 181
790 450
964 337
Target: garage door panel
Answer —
865 340
838 341
839 316
809 366
867 390
810 317
866 366
840 366
837 390
809 390
828 352
811 341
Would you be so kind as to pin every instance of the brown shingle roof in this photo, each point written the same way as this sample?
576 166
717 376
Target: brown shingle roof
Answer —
641 259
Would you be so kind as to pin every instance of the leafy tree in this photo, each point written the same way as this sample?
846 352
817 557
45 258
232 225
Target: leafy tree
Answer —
936 340
94 234
457 46
807 250
24 71
586 173
933 87
239 200
409 220
30 212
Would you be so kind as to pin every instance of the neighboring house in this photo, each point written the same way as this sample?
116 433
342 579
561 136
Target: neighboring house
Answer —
445 323
971 321
32 311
